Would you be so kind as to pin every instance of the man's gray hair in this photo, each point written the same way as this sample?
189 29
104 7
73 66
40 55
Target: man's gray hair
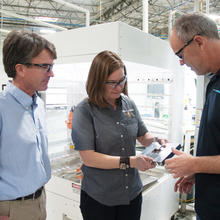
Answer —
187 26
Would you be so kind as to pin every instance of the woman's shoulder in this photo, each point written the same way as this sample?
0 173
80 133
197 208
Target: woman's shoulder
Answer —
83 104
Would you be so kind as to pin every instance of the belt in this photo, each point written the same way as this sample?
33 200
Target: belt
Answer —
33 196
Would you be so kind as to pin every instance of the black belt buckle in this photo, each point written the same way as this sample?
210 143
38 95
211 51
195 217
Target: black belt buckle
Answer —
33 196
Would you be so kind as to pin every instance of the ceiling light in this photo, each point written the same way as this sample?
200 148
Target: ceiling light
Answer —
47 19
47 31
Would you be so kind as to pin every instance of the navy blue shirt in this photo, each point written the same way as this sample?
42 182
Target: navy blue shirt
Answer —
207 191
111 132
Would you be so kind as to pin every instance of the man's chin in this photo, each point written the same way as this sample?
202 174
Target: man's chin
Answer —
43 89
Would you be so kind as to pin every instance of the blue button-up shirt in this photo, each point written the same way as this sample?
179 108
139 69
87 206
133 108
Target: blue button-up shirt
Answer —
24 162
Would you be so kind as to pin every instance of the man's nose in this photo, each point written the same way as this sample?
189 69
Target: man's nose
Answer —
50 73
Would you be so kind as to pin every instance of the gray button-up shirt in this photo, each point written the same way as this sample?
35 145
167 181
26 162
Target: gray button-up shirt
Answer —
111 132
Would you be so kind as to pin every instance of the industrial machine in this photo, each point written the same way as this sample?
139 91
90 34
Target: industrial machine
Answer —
63 190
155 83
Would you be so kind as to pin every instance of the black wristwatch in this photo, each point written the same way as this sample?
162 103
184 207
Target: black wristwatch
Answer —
124 163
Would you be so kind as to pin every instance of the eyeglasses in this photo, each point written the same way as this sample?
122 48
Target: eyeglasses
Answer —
178 53
119 83
47 67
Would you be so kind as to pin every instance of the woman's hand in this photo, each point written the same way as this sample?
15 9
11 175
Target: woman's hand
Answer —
161 141
147 139
142 162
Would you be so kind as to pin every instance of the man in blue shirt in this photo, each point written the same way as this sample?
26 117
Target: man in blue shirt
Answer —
24 163
195 40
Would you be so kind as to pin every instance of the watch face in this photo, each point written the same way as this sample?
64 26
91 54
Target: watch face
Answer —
123 166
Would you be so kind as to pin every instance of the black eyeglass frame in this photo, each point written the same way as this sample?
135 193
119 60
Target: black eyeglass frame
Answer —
115 84
185 45
47 66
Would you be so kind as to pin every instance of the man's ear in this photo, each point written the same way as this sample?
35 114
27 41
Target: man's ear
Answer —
19 68
200 40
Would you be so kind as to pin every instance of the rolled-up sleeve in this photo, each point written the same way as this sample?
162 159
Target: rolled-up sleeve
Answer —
82 128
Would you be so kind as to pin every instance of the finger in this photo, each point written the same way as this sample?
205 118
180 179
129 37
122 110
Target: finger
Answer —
148 159
181 189
167 161
176 186
177 152
162 142
176 175
189 188
179 180
153 164
170 163
150 164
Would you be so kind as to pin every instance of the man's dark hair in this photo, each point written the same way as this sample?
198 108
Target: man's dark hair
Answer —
21 47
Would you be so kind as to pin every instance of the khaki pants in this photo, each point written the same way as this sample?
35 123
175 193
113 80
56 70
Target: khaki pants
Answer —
25 209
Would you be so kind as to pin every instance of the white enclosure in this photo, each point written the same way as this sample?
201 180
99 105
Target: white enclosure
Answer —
155 83
151 65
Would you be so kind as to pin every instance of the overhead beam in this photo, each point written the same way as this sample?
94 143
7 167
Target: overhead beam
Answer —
76 7
32 20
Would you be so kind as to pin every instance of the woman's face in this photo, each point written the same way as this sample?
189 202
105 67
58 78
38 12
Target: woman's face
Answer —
114 85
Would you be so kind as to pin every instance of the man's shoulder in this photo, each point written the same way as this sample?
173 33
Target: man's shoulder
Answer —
3 97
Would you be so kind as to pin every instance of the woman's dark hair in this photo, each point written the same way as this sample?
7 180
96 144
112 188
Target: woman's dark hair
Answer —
103 65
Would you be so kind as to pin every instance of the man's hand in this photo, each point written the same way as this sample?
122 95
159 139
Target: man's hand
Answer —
180 165
185 184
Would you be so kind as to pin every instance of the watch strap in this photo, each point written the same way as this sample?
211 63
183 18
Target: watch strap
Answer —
124 162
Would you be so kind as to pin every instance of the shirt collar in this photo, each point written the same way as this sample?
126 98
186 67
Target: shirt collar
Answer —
218 72
22 97
213 77
118 103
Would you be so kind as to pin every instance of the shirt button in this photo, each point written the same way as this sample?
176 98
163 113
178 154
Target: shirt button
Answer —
123 148
117 122
122 136
126 187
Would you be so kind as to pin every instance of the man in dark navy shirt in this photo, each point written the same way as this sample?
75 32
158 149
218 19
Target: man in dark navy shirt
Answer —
195 40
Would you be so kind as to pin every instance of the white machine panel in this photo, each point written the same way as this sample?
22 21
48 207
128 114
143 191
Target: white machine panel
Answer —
159 199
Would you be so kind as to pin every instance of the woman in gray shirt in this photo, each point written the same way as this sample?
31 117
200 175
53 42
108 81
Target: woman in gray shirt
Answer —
104 131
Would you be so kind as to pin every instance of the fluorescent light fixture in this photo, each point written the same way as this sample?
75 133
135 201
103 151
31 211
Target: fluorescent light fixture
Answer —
47 31
46 19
